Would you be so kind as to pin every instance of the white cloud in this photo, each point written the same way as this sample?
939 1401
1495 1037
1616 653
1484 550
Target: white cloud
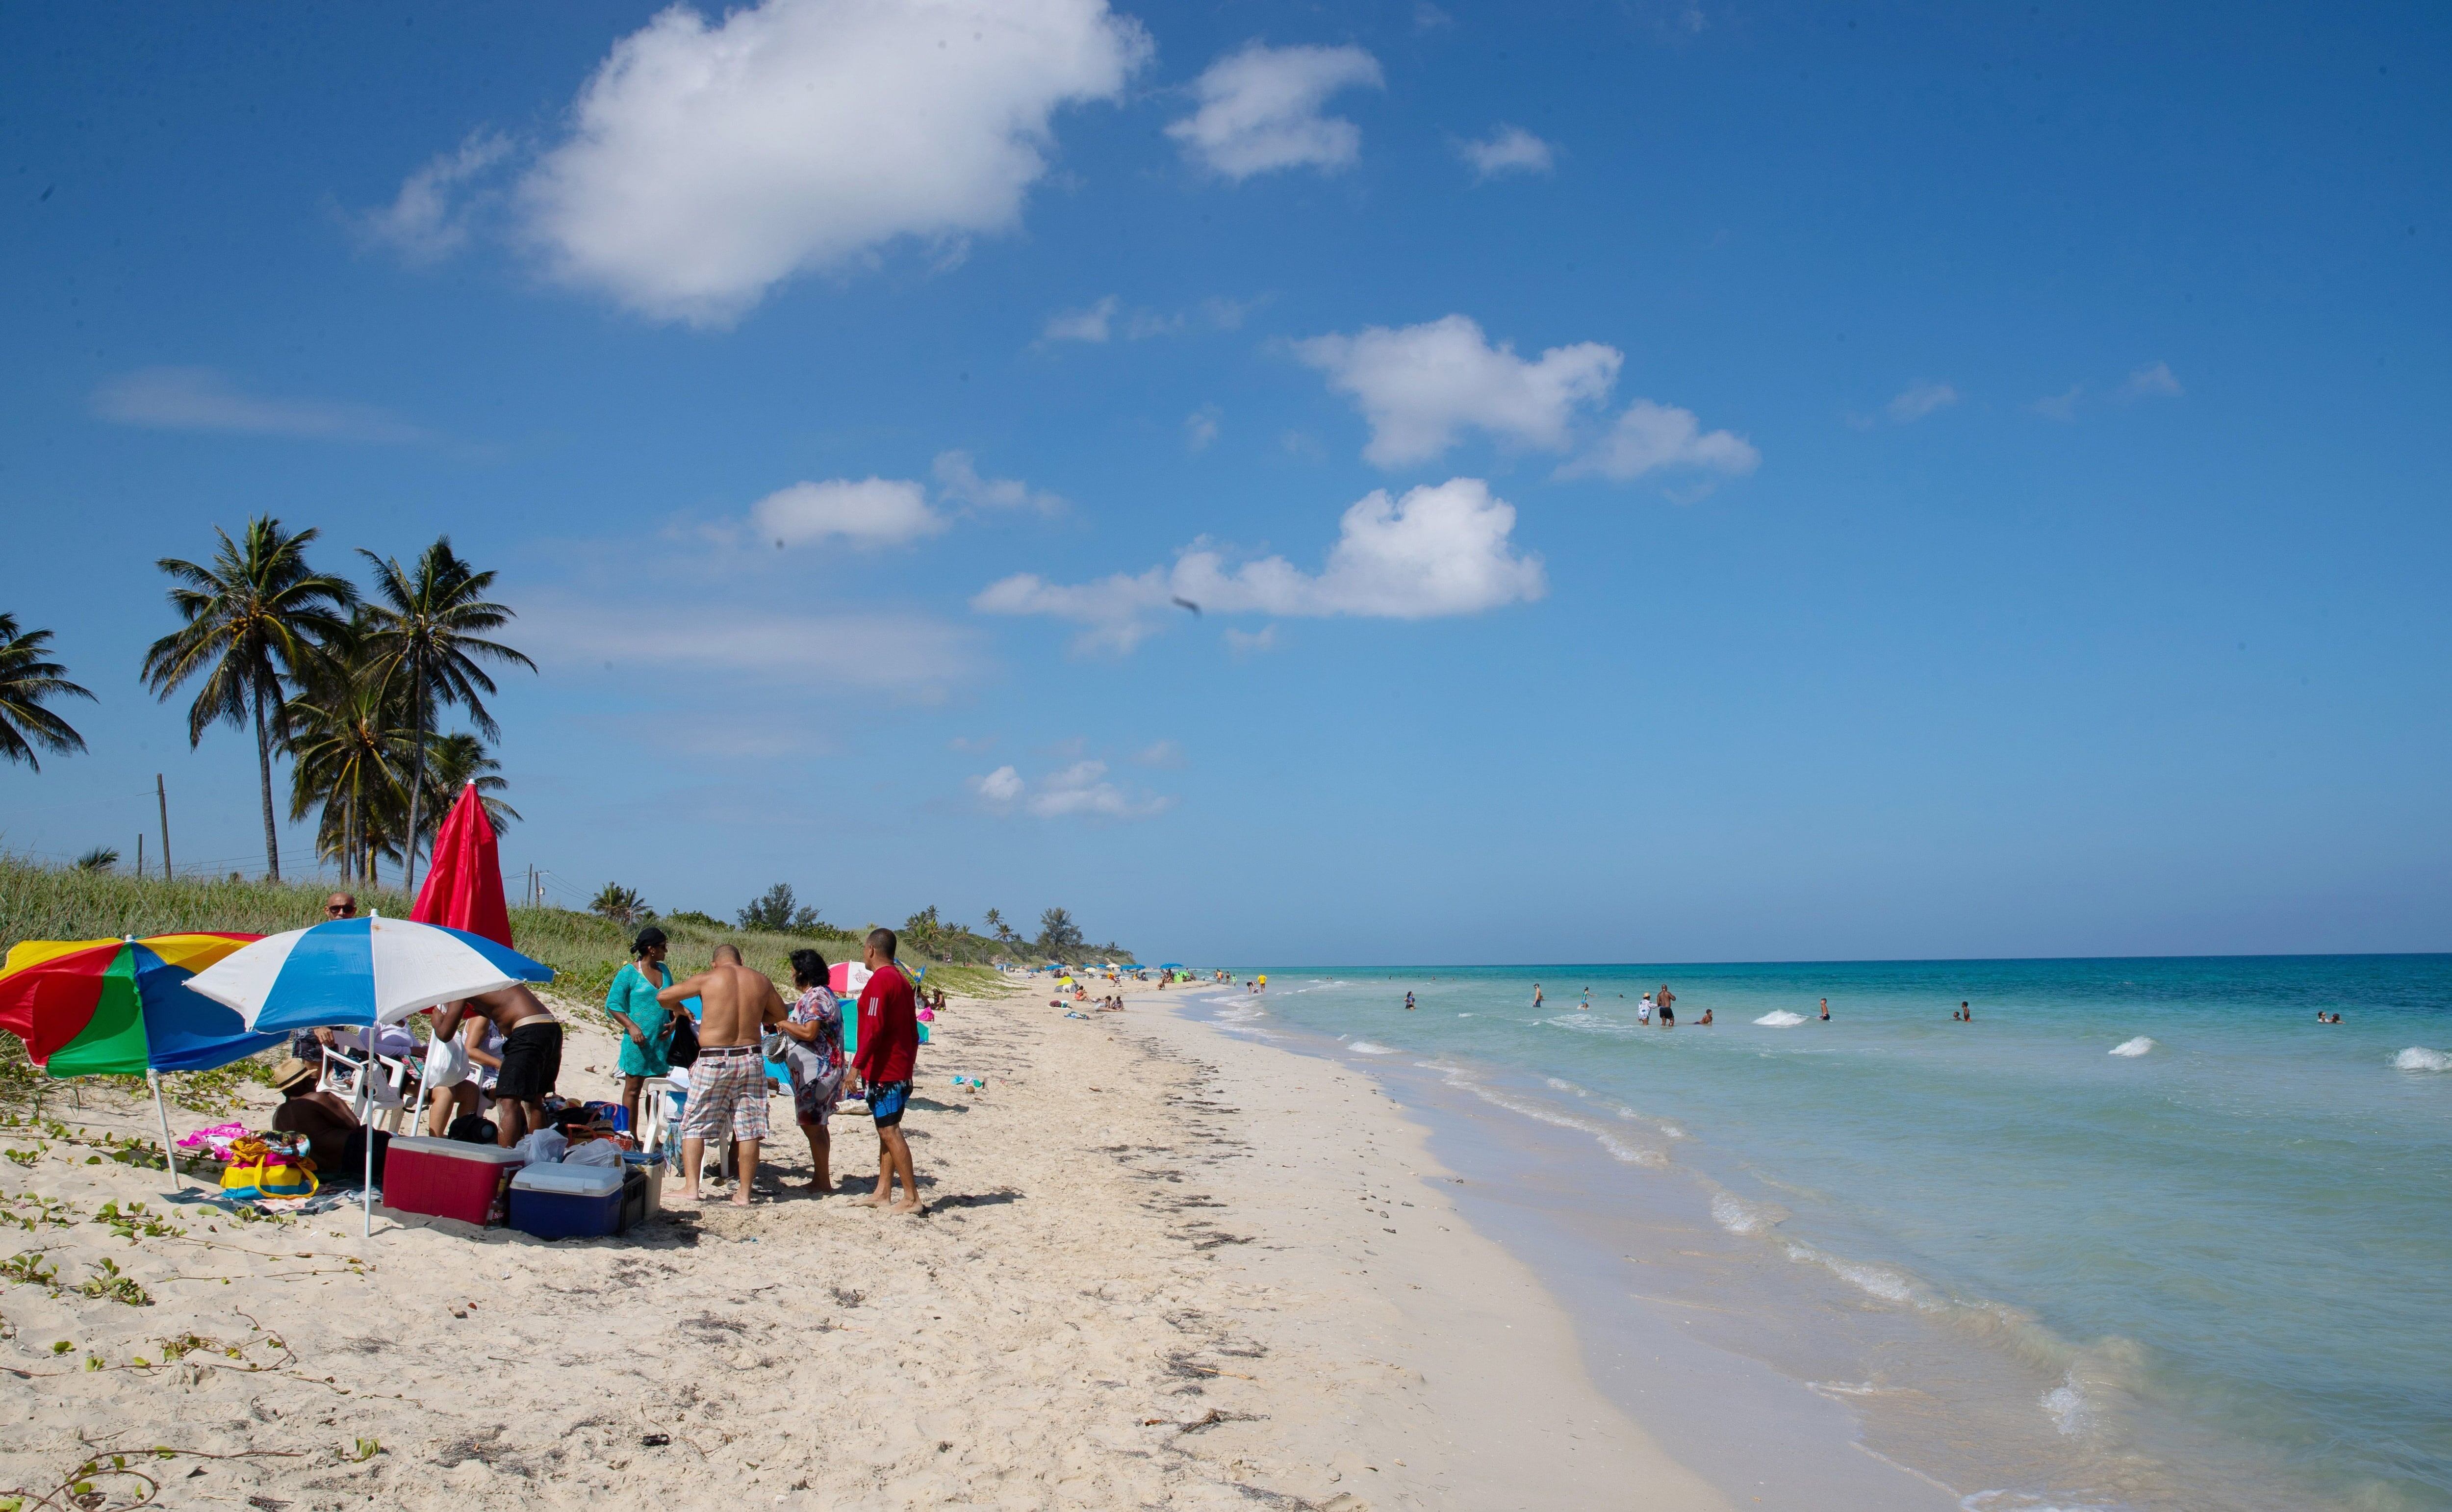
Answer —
1918 400
959 482
1082 325
1260 109
865 511
1440 551
201 399
1247 642
707 161
1649 437
1078 791
1507 149
428 219
2153 383
1164 754
1200 427
911 655
1420 385
998 787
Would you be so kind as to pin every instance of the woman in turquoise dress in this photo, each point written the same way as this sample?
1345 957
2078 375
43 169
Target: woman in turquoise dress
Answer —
645 1024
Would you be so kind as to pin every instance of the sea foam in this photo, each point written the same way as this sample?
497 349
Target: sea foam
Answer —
1366 1047
2418 1058
2137 1047
1781 1018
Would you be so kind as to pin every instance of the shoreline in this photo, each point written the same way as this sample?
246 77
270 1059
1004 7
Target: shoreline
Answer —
1149 1275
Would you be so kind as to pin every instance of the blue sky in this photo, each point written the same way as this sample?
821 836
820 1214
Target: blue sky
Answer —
1661 482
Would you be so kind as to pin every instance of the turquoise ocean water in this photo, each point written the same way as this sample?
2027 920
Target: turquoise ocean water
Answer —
2188 1246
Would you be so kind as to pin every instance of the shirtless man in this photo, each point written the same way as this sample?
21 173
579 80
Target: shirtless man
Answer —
531 1055
727 1092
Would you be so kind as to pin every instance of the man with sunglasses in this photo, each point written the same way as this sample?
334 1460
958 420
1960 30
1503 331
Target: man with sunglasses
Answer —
341 906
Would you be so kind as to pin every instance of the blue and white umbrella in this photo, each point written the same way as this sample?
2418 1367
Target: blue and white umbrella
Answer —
373 970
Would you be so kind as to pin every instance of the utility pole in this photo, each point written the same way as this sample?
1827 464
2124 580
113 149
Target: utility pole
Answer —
161 796
140 855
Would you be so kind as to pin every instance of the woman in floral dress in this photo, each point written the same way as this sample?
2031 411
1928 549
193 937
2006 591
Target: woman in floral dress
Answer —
813 1032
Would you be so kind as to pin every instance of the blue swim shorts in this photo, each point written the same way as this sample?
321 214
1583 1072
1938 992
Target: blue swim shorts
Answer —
885 1101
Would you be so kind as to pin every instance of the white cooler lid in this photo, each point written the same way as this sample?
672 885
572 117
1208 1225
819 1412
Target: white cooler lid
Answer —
458 1150
577 1181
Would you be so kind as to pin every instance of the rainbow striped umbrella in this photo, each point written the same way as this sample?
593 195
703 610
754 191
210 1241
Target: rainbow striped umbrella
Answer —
121 1007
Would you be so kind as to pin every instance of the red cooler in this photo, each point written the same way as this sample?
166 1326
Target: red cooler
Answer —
447 1177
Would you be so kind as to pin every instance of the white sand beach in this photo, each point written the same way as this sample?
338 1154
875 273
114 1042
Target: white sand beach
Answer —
1162 1265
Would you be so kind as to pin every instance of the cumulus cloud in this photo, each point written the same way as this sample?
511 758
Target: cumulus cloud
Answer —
1092 324
1081 790
708 160
865 511
428 219
1507 149
1440 551
998 787
959 482
1419 385
1164 754
1918 400
1260 109
201 399
2153 383
1649 437
1248 642
1200 427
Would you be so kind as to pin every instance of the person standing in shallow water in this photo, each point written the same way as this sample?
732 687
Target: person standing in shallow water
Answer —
1826 1010
1536 994
1667 1001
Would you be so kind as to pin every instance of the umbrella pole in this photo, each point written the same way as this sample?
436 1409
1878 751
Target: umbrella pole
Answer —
169 1152
371 1181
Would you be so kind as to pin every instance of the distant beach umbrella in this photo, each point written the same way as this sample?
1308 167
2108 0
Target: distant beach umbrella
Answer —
121 1007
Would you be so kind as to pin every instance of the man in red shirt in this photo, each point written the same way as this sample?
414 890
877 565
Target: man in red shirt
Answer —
889 1047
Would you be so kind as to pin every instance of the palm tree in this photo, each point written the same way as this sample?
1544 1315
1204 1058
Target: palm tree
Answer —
257 622
452 761
28 679
427 630
350 753
620 904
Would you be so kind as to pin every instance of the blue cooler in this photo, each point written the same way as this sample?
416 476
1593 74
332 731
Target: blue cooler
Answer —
567 1201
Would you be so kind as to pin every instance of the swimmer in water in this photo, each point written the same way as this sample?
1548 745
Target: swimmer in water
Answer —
1705 1020
1826 1010
1587 1004
1536 994
1408 1002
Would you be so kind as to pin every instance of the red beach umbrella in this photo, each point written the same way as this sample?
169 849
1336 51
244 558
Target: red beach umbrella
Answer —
464 880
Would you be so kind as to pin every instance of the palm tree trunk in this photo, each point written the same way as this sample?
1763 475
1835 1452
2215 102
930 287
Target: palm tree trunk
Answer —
417 776
264 767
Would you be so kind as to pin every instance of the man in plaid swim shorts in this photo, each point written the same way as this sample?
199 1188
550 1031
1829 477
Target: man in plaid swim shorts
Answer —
727 1092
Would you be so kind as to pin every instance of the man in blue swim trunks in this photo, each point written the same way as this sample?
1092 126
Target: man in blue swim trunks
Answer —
889 1051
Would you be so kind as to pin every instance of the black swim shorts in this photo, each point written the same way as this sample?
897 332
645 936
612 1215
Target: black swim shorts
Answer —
531 1063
